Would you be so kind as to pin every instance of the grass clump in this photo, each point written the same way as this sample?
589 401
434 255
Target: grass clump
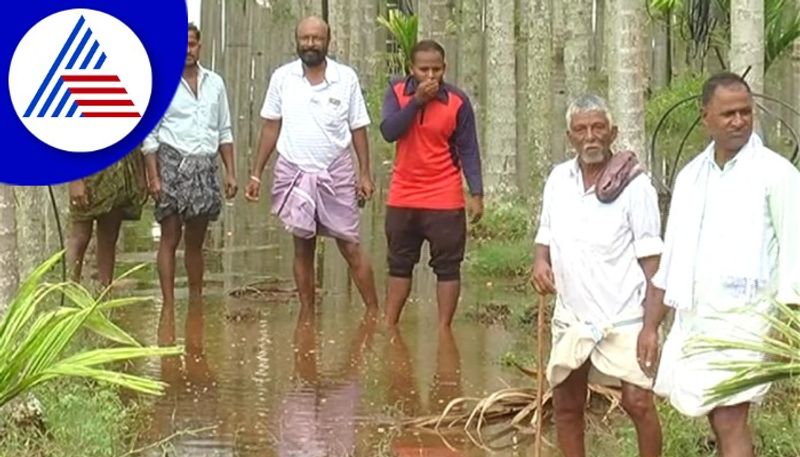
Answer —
81 419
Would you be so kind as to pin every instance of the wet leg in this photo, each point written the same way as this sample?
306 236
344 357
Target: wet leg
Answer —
193 256
107 234
171 232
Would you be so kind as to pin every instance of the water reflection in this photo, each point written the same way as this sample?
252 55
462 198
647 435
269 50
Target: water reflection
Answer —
191 402
318 414
404 393
259 380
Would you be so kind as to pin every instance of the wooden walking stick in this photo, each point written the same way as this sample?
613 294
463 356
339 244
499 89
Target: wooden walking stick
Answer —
539 375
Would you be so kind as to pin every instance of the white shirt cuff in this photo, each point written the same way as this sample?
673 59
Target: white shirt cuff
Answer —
149 148
543 236
270 115
359 124
647 247
789 294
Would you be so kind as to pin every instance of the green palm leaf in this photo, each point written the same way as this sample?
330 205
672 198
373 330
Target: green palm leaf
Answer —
34 341
404 28
781 350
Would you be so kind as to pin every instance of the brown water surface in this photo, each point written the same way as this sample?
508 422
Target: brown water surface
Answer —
258 379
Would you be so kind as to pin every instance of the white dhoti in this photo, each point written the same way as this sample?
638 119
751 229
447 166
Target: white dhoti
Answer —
685 375
611 348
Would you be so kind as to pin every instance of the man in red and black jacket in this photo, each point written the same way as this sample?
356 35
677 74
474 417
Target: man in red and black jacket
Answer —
434 126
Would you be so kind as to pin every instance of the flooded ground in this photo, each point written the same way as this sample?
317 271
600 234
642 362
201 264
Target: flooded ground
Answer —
260 380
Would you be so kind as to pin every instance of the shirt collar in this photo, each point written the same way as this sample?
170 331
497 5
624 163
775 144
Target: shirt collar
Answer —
576 175
410 88
748 150
202 74
332 73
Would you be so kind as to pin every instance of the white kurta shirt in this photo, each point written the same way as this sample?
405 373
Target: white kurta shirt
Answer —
317 120
747 255
195 125
595 246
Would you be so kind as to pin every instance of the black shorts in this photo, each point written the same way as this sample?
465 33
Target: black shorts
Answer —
445 231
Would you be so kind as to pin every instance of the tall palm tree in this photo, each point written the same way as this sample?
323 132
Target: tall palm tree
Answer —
501 102
747 40
626 76
8 245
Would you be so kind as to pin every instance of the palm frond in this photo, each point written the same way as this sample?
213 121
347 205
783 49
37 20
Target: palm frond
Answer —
404 28
34 341
780 348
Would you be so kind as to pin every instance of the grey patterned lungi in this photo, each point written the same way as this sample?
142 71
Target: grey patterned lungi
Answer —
190 185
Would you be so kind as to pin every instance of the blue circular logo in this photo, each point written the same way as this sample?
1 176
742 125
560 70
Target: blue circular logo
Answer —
87 81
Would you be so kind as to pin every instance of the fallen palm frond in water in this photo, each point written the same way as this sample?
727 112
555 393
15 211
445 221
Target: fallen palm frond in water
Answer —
513 408
268 289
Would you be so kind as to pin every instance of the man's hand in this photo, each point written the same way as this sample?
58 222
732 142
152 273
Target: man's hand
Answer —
475 207
78 197
154 187
252 190
647 350
365 186
426 91
231 187
542 277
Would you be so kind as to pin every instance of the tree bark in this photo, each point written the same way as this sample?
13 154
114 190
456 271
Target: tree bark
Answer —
31 239
796 83
747 41
339 19
661 53
560 149
626 78
501 134
539 91
9 277
578 48
470 64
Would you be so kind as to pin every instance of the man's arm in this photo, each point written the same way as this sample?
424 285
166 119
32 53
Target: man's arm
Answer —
644 220
542 275
396 121
361 145
785 217
654 309
467 150
543 279
266 144
654 313
225 132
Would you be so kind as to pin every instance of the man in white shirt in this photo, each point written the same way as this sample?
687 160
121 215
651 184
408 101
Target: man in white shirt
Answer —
314 113
597 254
732 249
181 161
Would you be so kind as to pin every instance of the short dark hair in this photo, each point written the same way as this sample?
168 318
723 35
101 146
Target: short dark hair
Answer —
427 45
721 79
195 29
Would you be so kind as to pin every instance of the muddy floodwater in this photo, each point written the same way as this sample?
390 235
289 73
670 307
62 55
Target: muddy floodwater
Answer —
258 379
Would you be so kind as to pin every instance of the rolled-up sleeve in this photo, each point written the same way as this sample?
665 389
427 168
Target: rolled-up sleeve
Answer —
644 218
224 123
150 143
783 200
543 232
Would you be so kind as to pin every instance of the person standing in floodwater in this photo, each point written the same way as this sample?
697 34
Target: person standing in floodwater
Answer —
181 156
109 197
314 113
433 124
597 248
